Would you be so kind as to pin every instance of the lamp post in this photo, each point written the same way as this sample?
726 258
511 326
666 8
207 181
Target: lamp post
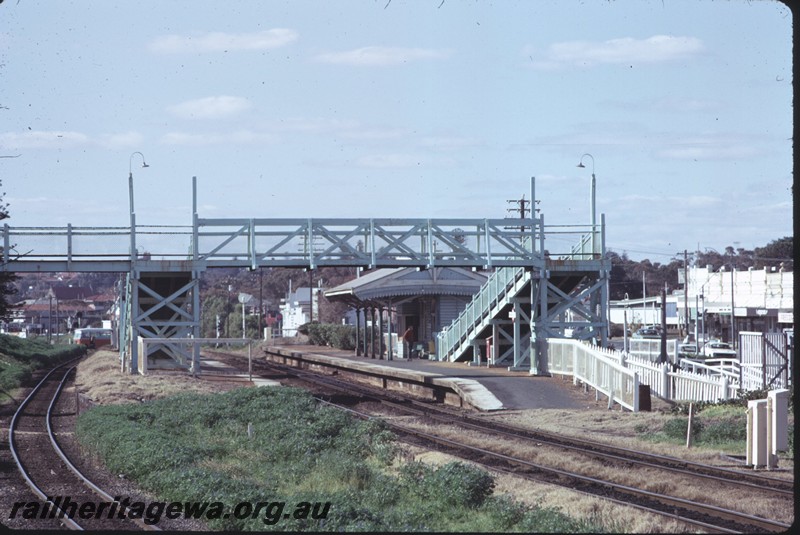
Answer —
130 198
625 325
733 313
593 198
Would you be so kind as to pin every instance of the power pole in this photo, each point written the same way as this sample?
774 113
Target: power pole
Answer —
686 289
523 207
662 358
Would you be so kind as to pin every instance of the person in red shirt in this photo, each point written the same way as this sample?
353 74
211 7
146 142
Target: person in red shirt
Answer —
408 337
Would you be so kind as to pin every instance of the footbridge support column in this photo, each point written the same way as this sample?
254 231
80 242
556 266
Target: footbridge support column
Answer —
163 304
538 330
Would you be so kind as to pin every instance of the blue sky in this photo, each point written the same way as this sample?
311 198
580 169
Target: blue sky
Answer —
404 109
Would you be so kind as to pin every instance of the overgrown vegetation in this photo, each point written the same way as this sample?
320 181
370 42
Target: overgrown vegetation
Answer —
721 424
20 357
330 334
741 399
196 447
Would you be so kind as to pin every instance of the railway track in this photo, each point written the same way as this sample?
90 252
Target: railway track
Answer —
67 498
705 516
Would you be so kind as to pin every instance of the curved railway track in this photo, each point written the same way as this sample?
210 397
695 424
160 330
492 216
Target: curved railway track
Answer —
50 474
706 516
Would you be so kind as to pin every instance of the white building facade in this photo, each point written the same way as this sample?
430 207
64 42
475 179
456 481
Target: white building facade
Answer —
760 300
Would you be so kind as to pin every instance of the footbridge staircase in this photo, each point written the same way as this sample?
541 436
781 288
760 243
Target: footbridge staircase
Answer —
508 322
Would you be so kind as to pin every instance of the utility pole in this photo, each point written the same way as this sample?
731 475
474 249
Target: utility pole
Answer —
644 305
260 301
662 358
733 320
522 208
686 289
311 295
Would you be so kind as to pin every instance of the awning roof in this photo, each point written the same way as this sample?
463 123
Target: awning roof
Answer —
390 283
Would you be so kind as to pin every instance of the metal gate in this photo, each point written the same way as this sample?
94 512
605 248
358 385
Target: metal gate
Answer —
766 360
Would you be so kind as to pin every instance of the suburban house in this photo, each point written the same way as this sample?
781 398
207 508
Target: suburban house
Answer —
62 309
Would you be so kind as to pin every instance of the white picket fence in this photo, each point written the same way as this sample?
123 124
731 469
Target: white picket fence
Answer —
596 367
618 375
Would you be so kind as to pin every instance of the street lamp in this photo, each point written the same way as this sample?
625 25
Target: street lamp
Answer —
593 205
130 198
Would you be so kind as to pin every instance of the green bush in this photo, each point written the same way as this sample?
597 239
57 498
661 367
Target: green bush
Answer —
454 484
741 399
724 431
676 428
330 335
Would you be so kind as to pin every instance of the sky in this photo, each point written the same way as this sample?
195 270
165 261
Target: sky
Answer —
404 109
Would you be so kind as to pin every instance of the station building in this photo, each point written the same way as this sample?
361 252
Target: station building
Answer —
426 299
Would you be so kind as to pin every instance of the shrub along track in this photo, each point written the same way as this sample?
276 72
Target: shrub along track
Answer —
47 470
627 464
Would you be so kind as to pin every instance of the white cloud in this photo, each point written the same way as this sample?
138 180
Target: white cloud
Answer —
701 149
686 104
387 161
121 140
344 129
399 161
246 137
376 56
223 42
656 49
450 142
218 107
38 139
312 125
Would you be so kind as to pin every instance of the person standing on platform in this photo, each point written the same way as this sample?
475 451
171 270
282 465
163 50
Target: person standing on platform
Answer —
408 337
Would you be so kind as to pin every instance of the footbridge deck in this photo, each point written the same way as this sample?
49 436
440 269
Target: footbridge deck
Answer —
296 243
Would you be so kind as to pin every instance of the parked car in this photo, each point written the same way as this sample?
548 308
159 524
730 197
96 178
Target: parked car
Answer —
648 332
718 350
687 350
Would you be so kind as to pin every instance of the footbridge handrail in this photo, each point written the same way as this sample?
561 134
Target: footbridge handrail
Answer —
257 242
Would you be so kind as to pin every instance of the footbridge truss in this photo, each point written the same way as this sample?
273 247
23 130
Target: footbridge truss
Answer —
543 289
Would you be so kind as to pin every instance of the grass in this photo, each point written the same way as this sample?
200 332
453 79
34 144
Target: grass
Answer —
100 378
20 357
196 447
720 426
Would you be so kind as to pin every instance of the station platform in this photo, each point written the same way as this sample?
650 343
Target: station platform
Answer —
484 388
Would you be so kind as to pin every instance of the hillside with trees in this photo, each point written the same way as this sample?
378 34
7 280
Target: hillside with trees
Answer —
626 274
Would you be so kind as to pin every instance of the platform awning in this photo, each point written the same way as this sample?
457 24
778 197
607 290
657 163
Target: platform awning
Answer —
392 283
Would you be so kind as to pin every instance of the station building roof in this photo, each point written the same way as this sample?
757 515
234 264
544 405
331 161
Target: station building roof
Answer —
391 283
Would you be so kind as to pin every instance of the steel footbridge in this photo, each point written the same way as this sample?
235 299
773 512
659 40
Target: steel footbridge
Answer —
533 293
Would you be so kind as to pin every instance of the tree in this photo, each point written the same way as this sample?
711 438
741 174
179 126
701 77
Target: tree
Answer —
775 253
7 279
